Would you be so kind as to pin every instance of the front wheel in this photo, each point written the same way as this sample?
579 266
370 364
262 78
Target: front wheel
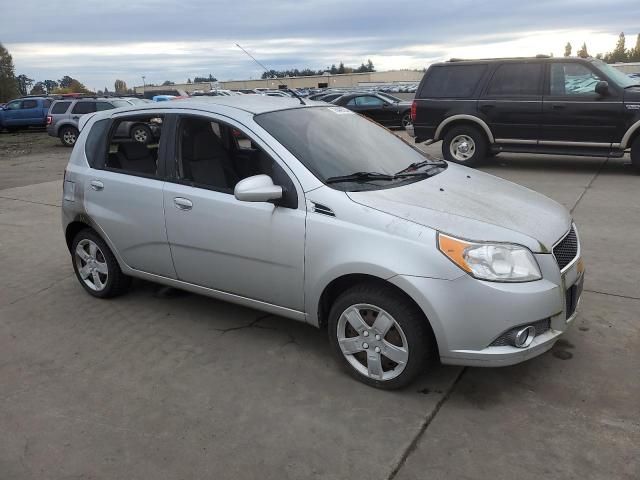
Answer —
635 154
465 145
379 336
68 136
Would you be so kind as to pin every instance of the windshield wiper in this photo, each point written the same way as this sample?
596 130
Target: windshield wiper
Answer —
416 165
360 177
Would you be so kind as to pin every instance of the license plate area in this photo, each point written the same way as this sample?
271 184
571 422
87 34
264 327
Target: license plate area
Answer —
573 295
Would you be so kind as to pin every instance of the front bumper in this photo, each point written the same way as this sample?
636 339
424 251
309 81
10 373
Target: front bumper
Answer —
467 315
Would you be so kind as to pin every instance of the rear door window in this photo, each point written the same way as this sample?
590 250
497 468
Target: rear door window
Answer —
516 79
26 104
60 107
100 106
452 81
81 108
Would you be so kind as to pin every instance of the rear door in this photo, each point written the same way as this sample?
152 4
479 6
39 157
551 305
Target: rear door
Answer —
31 112
82 108
574 112
123 195
511 103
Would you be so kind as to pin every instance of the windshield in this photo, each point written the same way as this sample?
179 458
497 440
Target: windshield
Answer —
335 142
621 79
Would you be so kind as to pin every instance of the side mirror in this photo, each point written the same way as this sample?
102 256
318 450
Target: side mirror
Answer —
602 88
259 188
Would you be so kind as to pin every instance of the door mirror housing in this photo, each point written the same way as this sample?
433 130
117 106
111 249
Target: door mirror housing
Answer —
602 88
259 188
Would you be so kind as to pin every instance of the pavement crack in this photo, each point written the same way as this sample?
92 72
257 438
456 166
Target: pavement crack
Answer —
253 324
628 297
44 289
593 179
30 201
423 428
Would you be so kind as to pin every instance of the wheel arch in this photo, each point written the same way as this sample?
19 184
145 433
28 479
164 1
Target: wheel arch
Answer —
73 229
463 119
344 282
630 135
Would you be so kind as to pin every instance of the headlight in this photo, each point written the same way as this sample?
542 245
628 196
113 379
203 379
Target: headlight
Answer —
496 262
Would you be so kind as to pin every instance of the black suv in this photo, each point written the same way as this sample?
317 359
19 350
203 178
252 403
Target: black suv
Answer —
566 106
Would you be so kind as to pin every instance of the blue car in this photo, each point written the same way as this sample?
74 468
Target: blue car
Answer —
25 112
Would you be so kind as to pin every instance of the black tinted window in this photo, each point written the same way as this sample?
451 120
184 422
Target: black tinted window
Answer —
29 104
452 81
84 107
333 141
516 79
96 141
60 107
46 103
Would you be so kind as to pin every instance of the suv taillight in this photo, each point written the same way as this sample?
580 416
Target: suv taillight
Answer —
49 119
414 108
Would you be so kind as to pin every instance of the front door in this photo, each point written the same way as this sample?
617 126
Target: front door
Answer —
574 112
251 249
12 116
512 102
373 107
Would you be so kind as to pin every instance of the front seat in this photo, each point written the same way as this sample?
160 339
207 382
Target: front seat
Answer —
135 157
208 159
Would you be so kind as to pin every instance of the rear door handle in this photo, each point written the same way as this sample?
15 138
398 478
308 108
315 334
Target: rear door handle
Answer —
75 118
183 203
558 107
96 185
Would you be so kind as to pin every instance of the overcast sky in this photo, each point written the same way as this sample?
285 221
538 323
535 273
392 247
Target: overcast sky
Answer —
99 41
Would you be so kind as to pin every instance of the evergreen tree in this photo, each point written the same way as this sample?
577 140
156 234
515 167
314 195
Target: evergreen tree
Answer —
24 84
8 84
620 53
583 53
567 50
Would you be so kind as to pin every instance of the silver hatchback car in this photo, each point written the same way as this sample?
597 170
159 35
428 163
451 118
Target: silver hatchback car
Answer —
315 213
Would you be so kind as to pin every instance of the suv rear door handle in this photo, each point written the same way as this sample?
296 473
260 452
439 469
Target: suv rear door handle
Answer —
96 185
558 106
183 203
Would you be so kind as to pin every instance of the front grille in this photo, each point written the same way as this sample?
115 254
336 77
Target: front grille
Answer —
508 338
566 249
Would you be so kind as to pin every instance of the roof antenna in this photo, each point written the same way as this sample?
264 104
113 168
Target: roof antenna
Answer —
268 74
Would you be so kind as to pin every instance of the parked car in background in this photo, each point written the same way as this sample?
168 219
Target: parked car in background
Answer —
377 107
324 217
64 116
163 98
329 97
560 106
24 112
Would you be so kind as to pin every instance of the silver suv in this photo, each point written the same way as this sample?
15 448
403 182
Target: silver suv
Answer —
64 115
312 212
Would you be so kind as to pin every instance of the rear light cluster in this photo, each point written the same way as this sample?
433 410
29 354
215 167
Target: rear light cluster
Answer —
414 108
49 119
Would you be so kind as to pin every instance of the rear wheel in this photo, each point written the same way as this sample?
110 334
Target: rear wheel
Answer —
141 134
635 154
406 119
68 136
379 336
465 145
96 267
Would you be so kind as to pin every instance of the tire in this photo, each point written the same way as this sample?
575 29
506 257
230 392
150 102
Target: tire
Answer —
408 336
12 129
465 145
406 119
68 136
111 282
635 154
141 133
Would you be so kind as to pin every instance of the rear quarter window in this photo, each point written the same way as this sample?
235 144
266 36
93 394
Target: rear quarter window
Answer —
96 143
452 81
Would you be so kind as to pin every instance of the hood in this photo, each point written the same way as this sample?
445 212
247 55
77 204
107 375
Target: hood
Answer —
475 206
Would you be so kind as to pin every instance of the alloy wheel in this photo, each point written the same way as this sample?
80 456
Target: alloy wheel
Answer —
92 265
69 137
140 135
462 147
372 341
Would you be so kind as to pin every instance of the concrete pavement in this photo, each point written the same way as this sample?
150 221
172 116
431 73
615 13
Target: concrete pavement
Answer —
163 385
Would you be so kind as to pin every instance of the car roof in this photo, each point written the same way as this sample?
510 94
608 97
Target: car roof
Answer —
254 104
539 58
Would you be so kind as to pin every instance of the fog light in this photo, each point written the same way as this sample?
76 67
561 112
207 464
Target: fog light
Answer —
524 337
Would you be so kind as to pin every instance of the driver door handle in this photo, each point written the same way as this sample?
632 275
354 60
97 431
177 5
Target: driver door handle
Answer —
183 203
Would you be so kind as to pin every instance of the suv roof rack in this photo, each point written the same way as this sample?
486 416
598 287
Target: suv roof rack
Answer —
453 60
